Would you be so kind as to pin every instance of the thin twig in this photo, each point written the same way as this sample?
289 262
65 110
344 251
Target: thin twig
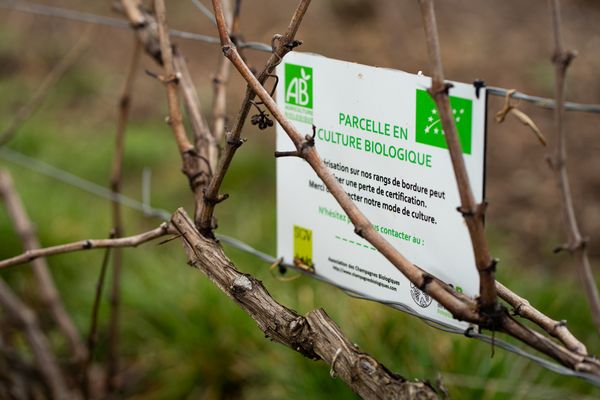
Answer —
472 212
129 241
220 86
197 159
124 108
123 117
283 45
23 317
203 140
462 307
171 81
558 329
194 165
92 338
576 244
48 292
43 90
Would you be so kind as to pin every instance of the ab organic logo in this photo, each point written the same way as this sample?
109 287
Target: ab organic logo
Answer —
299 92
429 126
298 85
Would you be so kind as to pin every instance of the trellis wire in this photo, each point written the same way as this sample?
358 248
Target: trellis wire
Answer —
50 11
93 188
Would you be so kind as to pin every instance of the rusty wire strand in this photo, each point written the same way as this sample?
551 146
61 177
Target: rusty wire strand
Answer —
49 11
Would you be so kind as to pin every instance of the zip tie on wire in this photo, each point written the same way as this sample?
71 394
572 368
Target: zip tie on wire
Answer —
50 11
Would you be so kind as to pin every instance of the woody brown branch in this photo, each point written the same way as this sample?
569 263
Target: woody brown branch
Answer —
315 336
92 337
48 292
199 158
283 45
220 86
471 211
558 329
171 80
460 306
129 241
576 243
204 142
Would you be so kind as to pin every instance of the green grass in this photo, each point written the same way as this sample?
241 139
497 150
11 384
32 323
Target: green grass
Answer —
183 338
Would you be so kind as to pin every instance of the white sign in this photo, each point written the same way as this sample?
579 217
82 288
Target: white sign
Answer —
379 132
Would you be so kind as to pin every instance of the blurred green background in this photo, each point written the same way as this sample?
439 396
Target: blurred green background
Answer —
181 337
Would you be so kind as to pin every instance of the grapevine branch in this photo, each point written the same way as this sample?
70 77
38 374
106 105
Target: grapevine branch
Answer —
220 84
128 241
282 44
577 244
275 319
472 212
315 336
92 337
558 329
197 158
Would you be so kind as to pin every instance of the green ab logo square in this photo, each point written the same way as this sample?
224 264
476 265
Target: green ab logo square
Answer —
429 126
298 85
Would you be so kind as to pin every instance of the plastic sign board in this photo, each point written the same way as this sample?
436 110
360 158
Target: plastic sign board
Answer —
379 132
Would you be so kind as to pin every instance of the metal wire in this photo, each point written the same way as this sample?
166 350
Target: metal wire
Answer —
83 184
50 11
93 188
543 102
97 190
205 10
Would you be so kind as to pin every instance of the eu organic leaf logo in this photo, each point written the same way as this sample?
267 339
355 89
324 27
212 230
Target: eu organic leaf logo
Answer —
429 126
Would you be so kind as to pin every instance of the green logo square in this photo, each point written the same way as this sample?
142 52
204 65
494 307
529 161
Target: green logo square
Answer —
429 126
299 85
